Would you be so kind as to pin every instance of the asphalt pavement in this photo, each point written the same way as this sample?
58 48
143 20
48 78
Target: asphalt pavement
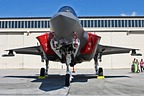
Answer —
26 82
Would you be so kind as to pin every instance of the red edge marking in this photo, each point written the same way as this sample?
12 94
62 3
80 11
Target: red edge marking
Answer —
91 44
45 42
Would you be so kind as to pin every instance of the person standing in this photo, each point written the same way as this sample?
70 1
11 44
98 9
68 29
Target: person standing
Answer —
134 66
142 65
134 61
137 63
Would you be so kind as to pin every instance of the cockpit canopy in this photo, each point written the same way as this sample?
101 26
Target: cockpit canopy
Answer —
67 9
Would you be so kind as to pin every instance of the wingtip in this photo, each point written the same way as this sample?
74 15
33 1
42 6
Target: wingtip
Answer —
134 53
10 54
139 54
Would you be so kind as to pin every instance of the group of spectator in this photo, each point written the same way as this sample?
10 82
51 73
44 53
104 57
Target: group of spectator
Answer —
137 66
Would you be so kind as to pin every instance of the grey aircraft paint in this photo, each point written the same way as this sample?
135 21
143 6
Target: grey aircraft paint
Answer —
64 23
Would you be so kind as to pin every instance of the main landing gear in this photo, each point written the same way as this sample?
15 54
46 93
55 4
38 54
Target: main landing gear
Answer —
68 76
99 71
43 71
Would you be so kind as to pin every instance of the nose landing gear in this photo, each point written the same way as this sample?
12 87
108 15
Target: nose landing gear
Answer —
68 77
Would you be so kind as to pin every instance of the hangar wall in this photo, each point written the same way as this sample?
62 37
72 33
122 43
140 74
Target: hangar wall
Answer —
122 40
17 40
11 40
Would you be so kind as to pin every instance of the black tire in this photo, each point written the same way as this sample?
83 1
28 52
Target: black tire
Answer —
42 72
67 80
100 72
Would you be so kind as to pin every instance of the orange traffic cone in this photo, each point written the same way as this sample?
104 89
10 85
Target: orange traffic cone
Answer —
73 71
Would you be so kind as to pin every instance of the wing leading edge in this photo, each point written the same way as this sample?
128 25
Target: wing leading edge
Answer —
34 50
107 50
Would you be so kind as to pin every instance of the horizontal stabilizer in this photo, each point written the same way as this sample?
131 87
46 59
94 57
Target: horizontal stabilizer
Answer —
10 54
135 54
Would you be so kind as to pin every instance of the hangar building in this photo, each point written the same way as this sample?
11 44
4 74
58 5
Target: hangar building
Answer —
122 31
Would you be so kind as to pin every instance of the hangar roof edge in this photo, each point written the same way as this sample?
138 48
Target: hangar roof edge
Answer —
111 16
78 17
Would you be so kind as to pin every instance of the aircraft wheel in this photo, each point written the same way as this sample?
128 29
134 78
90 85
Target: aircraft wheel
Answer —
42 72
67 80
100 72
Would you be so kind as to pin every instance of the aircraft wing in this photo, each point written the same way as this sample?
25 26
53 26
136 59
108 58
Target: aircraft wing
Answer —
107 50
34 50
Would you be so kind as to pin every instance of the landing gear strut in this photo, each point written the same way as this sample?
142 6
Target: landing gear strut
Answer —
66 51
47 67
68 77
99 71
96 64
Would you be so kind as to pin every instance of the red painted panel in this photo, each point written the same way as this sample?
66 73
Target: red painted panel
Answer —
45 42
91 44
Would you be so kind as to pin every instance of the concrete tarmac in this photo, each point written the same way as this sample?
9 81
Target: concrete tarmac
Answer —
26 82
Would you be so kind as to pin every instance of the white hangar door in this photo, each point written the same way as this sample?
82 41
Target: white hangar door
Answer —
10 41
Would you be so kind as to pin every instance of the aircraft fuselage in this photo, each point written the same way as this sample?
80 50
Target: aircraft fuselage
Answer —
68 37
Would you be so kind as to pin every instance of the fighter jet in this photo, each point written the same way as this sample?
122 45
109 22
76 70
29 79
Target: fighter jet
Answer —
67 42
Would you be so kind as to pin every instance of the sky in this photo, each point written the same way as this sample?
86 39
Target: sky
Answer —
47 8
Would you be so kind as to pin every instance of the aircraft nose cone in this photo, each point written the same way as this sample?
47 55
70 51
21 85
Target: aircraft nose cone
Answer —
63 25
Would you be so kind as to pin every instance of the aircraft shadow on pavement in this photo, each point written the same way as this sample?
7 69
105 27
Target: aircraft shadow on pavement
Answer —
56 81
